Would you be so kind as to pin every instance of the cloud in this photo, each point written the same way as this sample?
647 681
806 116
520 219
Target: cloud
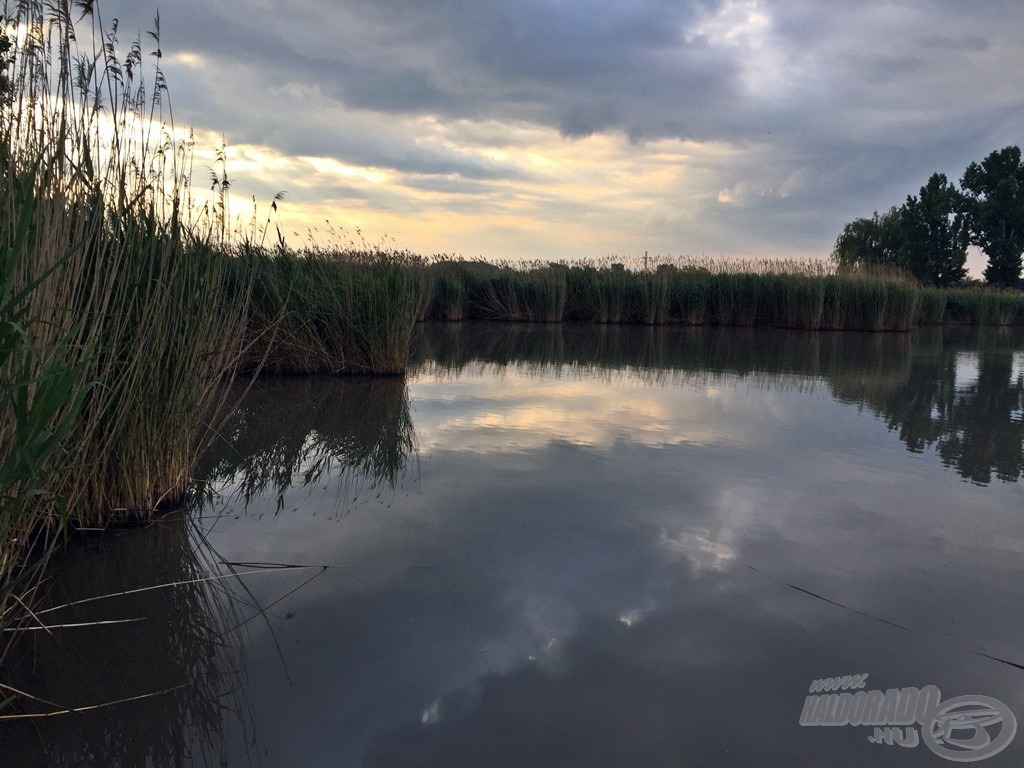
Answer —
828 111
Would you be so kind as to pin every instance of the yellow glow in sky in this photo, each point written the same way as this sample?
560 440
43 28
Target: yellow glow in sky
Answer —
554 198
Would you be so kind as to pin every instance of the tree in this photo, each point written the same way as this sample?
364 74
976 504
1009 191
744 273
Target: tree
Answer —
870 242
935 235
993 202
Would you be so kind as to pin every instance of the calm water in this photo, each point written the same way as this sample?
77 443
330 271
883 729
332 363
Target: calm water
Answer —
566 547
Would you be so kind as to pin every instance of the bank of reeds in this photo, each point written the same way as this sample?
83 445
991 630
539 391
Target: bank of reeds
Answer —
329 311
798 295
476 290
119 325
126 304
984 307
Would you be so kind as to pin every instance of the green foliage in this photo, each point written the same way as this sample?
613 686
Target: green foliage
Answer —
934 233
321 311
614 294
537 294
857 302
984 307
749 295
40 398
116 333
994 205
928 236
781 297
448 301
874 242
931 308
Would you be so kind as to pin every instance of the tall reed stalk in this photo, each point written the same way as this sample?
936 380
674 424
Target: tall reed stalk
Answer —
116 292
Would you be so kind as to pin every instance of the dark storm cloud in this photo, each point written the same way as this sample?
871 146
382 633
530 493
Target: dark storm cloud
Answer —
645 67
581 67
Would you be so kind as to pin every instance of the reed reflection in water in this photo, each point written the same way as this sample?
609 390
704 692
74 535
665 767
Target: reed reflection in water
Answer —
158 662
136 621
955 392
576 576
293 432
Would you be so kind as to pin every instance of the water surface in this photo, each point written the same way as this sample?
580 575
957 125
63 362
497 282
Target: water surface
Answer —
566 546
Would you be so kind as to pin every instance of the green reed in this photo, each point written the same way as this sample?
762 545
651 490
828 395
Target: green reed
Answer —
806 296
328 311
985 307
125 327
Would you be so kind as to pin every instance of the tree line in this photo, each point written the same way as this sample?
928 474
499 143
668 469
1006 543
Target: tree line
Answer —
929 234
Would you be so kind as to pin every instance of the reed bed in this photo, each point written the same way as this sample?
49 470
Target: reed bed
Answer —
119 325
447 291
127 304
329 311
476 290
985 307
931 306
778 294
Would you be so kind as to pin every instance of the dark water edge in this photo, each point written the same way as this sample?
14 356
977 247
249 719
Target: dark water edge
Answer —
558 546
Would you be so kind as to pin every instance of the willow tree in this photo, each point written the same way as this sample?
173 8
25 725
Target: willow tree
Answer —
870 242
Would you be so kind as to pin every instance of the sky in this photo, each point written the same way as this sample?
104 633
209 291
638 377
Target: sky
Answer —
586 129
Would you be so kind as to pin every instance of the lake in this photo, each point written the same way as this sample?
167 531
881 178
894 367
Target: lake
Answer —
571 546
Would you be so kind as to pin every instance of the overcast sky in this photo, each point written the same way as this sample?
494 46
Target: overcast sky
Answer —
566 129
